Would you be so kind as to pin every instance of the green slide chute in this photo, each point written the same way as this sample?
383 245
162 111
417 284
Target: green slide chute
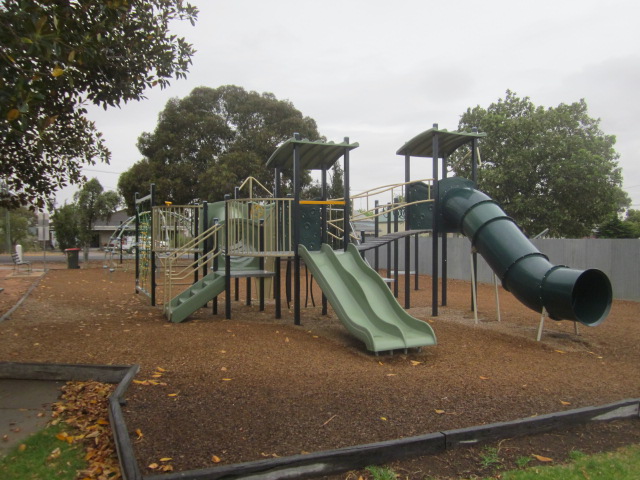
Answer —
363 302
566 294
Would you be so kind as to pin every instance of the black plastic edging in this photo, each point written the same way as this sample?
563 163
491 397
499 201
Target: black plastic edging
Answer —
119 374
359 456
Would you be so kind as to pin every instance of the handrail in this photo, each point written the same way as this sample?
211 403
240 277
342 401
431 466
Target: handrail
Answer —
251 180
195 244
243 222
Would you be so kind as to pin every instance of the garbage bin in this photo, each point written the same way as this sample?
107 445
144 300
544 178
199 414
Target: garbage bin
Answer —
73 255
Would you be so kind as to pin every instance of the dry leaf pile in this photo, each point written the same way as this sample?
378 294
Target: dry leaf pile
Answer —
84 406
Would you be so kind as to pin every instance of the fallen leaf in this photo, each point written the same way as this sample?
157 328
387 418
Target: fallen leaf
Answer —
380 363
224 369
565 403
483 378
54 454
392 374
560 351
227 379
22 447
215 459
541 458
102 421
139 433
166 468
160 369
152 466
172 394
165 459
384 419
415 363
439 412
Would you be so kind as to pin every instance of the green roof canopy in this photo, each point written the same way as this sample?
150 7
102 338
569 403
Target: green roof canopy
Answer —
422 144
314 155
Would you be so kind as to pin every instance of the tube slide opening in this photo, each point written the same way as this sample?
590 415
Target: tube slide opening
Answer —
591 297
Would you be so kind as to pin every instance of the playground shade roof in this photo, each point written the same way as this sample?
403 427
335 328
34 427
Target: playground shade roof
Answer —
422 144
314 155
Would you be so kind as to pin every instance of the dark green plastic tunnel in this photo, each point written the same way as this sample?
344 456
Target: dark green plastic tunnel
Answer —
566 294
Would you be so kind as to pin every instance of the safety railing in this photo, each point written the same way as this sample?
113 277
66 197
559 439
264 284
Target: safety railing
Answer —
182 262
174 226
245 218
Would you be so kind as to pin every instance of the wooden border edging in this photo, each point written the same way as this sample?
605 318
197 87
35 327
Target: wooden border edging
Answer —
360 456
122 375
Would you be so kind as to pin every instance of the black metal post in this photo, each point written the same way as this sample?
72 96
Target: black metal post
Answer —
436 219
474 179
325 233
347 197
444 244
227 263
207 244
216 250
389 274
396 276
196 222
376 225
152 194
407 239
297 174
137 236
261 265
280 229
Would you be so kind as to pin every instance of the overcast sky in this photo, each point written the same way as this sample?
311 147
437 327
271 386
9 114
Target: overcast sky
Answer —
381 72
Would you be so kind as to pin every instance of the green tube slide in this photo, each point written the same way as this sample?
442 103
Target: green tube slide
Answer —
566 294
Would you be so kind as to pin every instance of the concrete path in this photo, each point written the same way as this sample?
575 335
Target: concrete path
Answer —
25 408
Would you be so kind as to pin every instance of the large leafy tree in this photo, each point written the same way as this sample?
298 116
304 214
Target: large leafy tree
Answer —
93 202
65 225
208 142
14 226
547 167
58 56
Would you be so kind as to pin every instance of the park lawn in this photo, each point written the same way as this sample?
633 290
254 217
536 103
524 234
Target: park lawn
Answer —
43 456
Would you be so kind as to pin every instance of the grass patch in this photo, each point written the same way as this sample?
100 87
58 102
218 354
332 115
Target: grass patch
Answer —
38 458
623 464
382 473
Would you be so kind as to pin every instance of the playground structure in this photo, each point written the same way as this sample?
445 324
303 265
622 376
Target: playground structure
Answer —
204 247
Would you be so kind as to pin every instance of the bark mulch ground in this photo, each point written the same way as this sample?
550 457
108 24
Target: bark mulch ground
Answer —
222 391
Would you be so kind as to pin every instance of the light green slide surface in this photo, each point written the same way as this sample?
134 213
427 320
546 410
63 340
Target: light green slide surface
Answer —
195 297
363 302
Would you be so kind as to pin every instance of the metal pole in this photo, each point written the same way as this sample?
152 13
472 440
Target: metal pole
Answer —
347 199
436 230
261 265
407 239
297 173
376 223
474 178
153 252
137 237
227 263
324 228
280 229
444 244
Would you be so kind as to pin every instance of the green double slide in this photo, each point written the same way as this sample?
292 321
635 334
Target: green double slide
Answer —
363 302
